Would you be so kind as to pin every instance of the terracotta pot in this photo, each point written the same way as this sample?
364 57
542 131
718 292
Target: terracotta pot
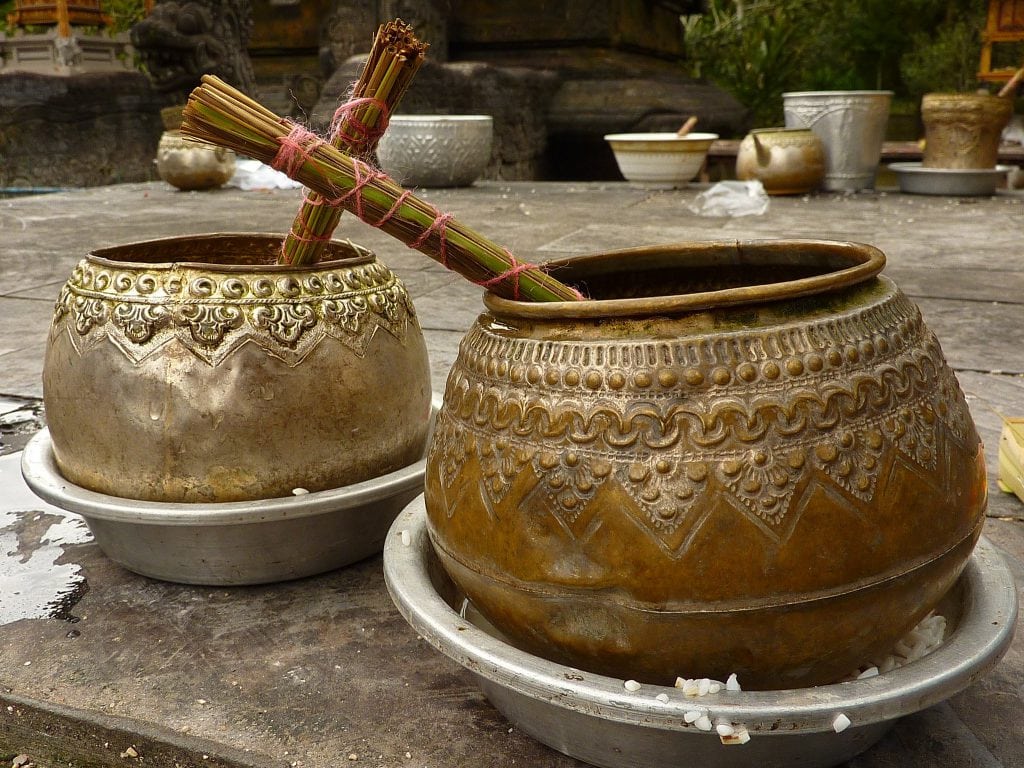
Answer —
194 369
787 161
740 457
962 130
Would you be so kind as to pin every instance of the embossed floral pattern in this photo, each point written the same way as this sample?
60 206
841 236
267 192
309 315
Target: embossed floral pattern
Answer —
213 313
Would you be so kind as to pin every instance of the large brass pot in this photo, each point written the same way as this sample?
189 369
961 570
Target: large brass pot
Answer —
739 457
962 130
195 369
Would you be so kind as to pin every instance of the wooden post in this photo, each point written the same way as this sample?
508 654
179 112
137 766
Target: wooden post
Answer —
63 19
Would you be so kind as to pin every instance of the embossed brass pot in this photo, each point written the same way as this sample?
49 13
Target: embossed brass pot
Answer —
195 369
787 161
739 457
189 165
962 130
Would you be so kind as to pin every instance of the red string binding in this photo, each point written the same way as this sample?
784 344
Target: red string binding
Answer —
296 148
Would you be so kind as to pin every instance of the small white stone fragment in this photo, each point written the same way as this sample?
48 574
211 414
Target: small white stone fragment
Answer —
692 715
299 491
130 752
406 538
724 727
841 723
715 687
680 682
691 688
740 735
869 672
704 723
662 697
631 685
733 683
703 687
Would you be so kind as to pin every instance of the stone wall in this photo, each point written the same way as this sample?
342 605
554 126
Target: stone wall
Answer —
77 130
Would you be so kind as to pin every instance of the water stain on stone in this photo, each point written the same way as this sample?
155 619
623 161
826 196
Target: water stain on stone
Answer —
35 580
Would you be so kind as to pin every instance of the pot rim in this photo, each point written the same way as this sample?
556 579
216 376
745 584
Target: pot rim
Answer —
783 129
102 256
414 118
865 262
666 136
836 93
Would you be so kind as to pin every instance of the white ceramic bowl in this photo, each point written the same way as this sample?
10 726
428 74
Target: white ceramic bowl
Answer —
660 160
436 150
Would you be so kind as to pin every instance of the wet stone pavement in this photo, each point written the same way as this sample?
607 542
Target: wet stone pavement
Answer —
102 667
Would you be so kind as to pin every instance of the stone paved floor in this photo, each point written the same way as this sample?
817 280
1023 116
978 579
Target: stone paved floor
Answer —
309 672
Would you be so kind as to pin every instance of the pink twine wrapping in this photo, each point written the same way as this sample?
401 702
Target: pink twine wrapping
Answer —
296 148
512 273
366 135
439 225
362 175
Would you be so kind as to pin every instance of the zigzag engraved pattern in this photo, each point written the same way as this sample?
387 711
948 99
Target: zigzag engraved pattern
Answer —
759 419
287 314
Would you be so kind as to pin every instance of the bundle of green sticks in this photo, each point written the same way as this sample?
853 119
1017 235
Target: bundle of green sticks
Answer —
340 176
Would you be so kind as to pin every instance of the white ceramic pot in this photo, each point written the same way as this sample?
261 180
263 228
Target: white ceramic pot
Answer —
436 150
660 160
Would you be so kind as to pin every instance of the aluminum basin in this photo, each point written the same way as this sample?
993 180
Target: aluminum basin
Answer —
594 718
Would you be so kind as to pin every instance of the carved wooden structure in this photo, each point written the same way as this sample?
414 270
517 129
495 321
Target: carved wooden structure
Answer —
63 14
1005 24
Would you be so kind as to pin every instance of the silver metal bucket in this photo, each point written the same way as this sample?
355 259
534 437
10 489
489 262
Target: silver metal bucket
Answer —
851 125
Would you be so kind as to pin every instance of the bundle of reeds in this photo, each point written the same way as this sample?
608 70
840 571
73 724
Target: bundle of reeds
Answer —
219 114
394 58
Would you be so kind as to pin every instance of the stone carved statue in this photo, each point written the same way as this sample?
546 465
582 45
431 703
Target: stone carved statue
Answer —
179 42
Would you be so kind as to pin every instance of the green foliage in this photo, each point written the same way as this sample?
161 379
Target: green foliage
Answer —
756 49
752 50
124 13
946 61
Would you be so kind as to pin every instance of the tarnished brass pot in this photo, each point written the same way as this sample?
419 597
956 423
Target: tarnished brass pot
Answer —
787 161
189 165
739 457
195 369
962 130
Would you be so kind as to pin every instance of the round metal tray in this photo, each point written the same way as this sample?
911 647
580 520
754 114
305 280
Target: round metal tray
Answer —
918 180
232 543
596 719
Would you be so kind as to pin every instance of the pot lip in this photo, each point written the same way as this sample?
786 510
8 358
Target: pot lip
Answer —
467 118
867 261
836 93
966 95
102 256
782 129
665 136
958 173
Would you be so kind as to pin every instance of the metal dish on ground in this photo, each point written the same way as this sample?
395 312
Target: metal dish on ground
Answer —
233 543
918 180
596 719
